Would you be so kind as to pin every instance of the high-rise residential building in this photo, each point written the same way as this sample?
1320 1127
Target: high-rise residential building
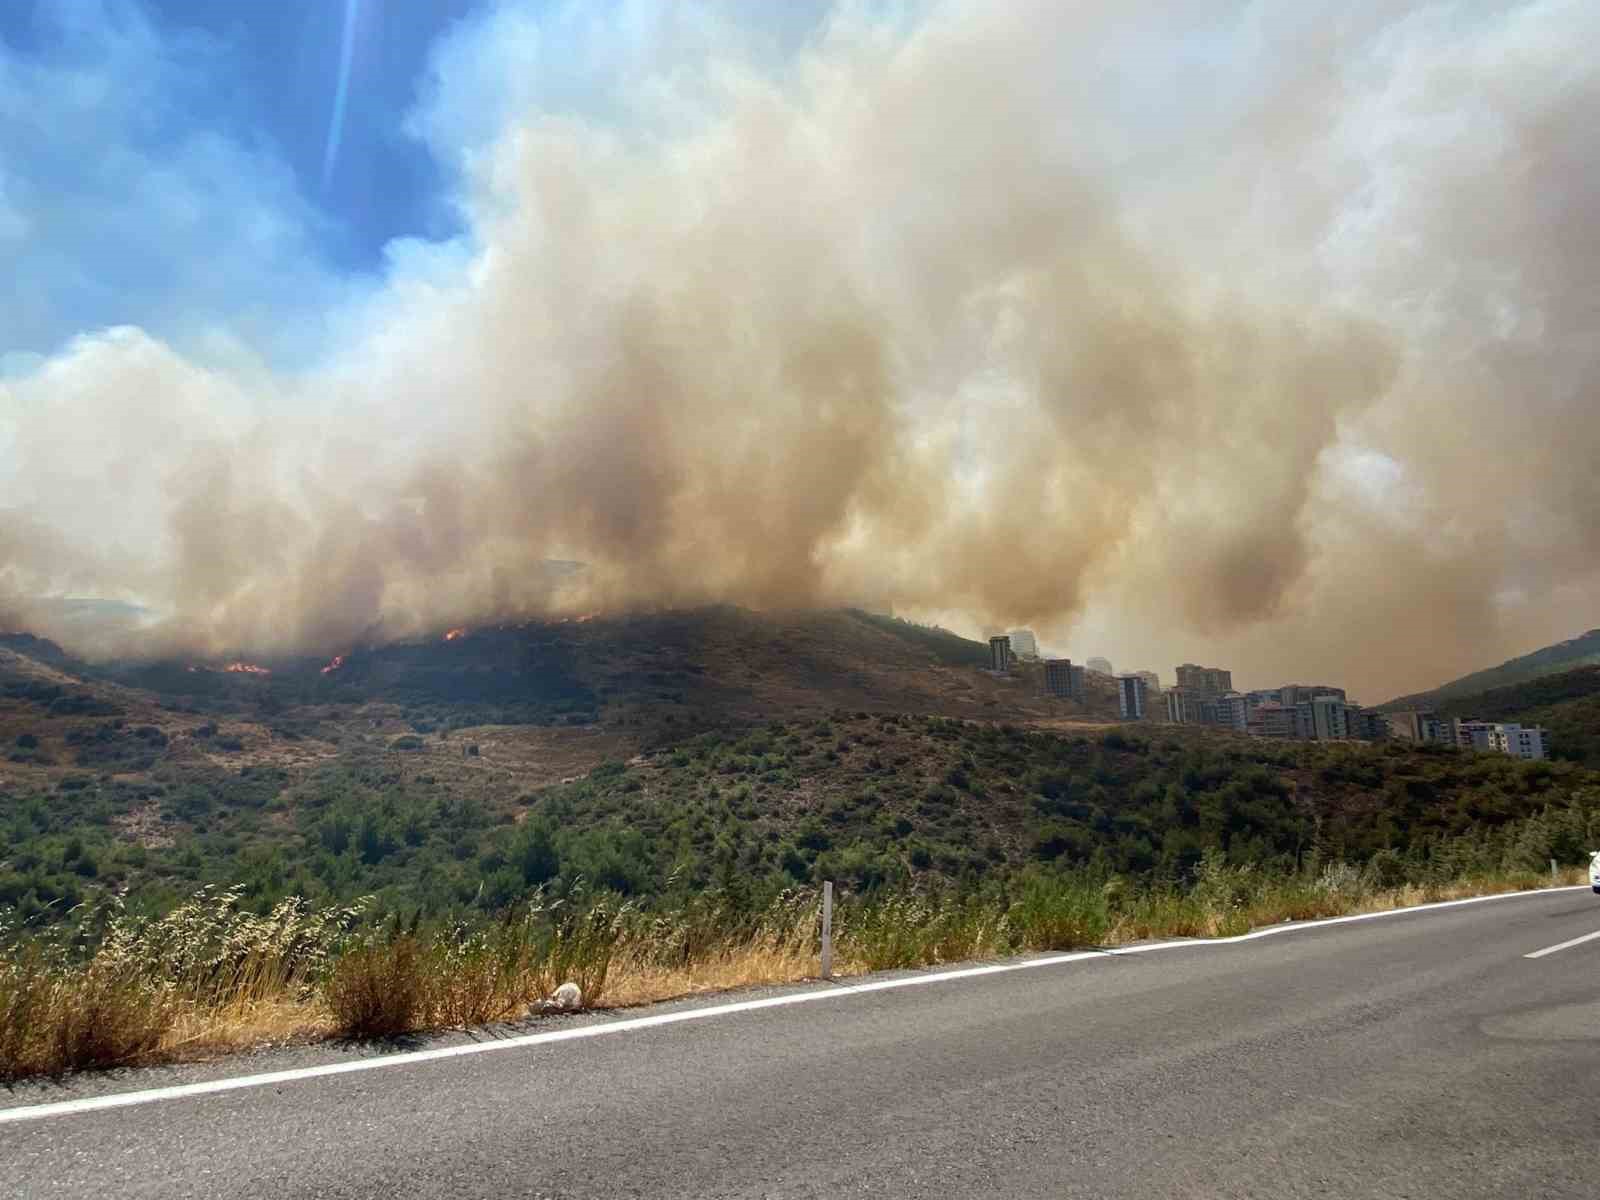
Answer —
1475 735
1185 707
1130 697
1520 741
1372 725
1326 718
1000 653
1152 682
1204 681
1422 727
1062 678
1513 738
1407 726
1233 711
1415 726
1173 699
1274 721
1100 666
1023 644
1292 694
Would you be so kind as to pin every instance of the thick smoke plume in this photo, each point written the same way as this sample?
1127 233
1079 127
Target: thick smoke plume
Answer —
1266 338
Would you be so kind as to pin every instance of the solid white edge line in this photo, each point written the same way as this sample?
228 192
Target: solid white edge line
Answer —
36 1112
1577 941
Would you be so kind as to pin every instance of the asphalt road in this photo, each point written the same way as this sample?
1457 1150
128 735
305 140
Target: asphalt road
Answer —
1416 1055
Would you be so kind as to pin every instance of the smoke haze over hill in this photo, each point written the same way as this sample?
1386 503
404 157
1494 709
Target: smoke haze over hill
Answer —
1263 334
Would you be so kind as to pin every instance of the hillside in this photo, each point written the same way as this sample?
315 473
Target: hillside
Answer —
1551 660
674 779
1567 704
155 775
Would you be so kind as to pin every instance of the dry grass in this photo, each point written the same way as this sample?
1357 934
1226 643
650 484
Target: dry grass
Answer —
209 979
198 1033
637 980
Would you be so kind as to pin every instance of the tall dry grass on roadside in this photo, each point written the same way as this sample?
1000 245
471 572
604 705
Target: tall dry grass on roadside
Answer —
209 977
401 981
205 976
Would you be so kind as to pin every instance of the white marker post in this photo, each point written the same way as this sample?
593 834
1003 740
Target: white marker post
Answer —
1552 870
827 930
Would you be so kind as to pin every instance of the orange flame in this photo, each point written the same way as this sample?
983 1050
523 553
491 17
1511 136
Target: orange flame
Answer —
453 634
338 661
244 668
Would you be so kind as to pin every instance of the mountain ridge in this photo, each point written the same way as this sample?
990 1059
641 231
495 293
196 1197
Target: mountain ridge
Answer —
1553 659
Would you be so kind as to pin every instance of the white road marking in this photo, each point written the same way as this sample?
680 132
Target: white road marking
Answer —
61 1108
1559 946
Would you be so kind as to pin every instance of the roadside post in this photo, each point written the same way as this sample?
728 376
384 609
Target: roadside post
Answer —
827 930
1552 871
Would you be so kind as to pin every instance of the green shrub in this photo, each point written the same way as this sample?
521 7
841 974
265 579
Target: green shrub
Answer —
1059 912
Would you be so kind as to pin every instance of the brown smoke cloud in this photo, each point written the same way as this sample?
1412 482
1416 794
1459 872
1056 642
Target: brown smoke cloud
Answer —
1284 358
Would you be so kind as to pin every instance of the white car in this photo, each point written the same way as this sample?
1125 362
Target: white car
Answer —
1594 869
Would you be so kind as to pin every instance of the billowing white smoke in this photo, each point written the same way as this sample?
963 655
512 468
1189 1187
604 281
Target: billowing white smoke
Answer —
1269 332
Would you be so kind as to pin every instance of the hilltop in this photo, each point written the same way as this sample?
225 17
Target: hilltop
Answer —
721 661
1562 656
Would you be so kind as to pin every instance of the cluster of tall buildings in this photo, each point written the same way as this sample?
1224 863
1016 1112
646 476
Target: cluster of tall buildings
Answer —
1067 679
1501 737
1293 712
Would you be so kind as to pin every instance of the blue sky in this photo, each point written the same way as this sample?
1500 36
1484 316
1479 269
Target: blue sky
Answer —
178 164
166 163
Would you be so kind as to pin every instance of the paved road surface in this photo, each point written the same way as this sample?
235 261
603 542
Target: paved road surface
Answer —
1414 1055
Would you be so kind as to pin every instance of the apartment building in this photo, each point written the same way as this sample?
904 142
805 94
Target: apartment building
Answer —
1024 645
1475 735
1291 694
1520 741
1326 718
1130 697
1321 719
1063 678
1513 738
1185 707
1000 653
1422 727
1233 711
1273 720
1372 725
1204 681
